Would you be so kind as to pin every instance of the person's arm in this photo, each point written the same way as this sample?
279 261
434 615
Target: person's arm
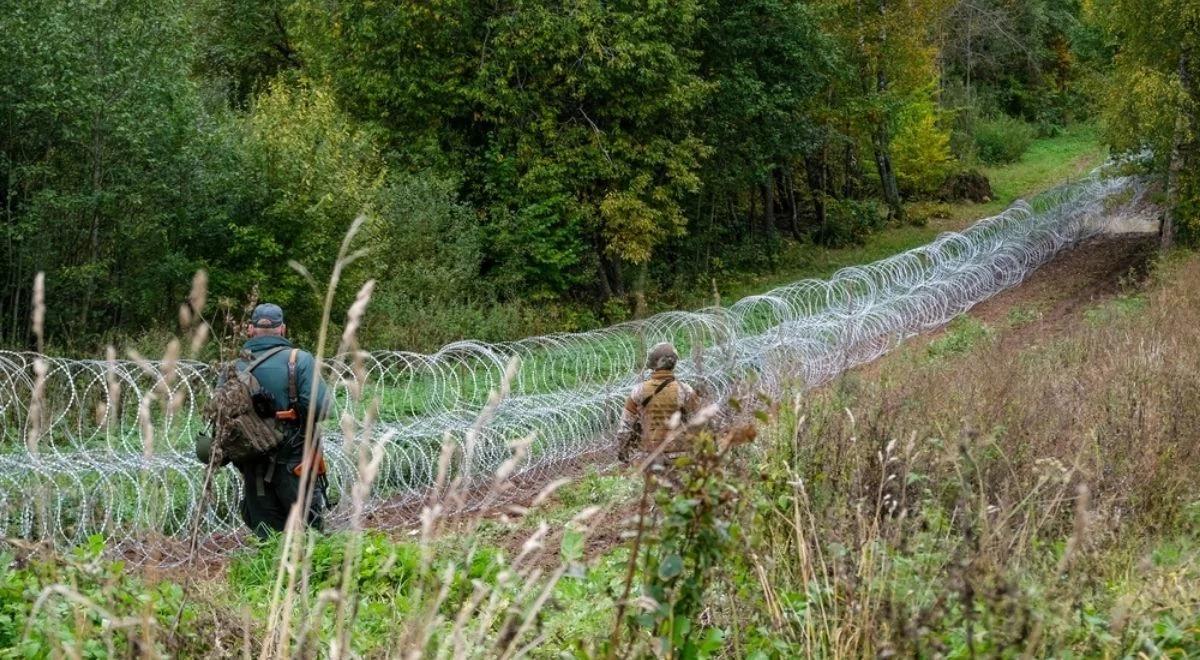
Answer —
627 430
305 373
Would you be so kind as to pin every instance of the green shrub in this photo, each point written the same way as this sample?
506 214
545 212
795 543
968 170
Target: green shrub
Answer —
83 605
1002 139
921 150
849 222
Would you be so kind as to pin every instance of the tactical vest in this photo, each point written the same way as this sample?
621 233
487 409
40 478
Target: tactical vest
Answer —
658 409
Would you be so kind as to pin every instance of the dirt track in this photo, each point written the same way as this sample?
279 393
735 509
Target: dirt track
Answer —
1059 292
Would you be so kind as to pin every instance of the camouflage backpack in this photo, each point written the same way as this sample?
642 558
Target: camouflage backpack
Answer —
238 430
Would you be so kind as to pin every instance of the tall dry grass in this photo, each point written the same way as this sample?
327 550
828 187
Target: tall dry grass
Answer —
991 503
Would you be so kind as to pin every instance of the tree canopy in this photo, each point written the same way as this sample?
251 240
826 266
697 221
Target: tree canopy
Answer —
523 164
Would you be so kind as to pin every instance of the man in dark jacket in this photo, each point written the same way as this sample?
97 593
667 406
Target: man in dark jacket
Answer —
272 481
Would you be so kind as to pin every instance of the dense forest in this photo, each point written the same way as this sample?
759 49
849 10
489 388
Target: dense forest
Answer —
524 165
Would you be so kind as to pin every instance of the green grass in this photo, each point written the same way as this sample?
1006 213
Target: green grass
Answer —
1117 308
1022 315
962 335
1047 162
594 488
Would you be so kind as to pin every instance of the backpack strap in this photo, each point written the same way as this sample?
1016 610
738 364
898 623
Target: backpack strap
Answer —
661 386
264 357
292 391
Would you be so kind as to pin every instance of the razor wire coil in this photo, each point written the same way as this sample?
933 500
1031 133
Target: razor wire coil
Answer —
100 460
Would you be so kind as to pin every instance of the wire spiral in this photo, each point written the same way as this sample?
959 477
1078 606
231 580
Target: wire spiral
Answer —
112 453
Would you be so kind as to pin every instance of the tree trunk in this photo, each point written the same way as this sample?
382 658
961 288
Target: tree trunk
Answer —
1175 168
793 212
771 231
769 203
639 291
609 271
753 213
852 173
814 171
880 142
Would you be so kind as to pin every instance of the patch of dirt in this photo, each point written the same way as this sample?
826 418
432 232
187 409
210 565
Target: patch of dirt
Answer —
1052 298
403 515
1060 291
605 531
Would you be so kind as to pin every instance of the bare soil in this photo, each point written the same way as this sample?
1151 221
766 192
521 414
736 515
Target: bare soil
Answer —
1058 293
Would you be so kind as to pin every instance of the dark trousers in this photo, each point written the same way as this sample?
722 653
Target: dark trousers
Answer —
270 491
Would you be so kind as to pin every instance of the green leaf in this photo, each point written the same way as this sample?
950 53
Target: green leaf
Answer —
572 545
671 566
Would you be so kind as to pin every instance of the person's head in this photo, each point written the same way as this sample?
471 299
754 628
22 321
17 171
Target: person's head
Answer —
266 321
662 357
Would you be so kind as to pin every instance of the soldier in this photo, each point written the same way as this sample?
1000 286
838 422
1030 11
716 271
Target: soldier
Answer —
271 481
652 403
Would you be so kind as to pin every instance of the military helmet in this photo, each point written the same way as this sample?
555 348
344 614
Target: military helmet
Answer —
662 356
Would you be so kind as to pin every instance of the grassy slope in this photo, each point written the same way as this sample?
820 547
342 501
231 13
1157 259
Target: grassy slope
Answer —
1048 162
983 546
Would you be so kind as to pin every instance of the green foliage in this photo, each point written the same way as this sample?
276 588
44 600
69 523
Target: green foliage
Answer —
100 132
922 151
1152 99
85 606
1034 60
1002 139
522 167
850 222
391 580
242 45
694 536
385 569
318 171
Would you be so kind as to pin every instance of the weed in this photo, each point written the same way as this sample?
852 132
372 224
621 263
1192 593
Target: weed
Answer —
962 334
1022 315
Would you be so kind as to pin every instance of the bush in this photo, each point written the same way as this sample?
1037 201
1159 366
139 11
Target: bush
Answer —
1002 139
968 184
849 222
83 605
921 150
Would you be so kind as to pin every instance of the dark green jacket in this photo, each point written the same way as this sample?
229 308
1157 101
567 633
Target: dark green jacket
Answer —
272 375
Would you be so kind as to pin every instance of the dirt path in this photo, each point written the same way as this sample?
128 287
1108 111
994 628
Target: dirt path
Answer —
1056 295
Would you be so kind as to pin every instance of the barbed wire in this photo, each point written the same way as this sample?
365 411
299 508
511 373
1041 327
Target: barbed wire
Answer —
112 453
